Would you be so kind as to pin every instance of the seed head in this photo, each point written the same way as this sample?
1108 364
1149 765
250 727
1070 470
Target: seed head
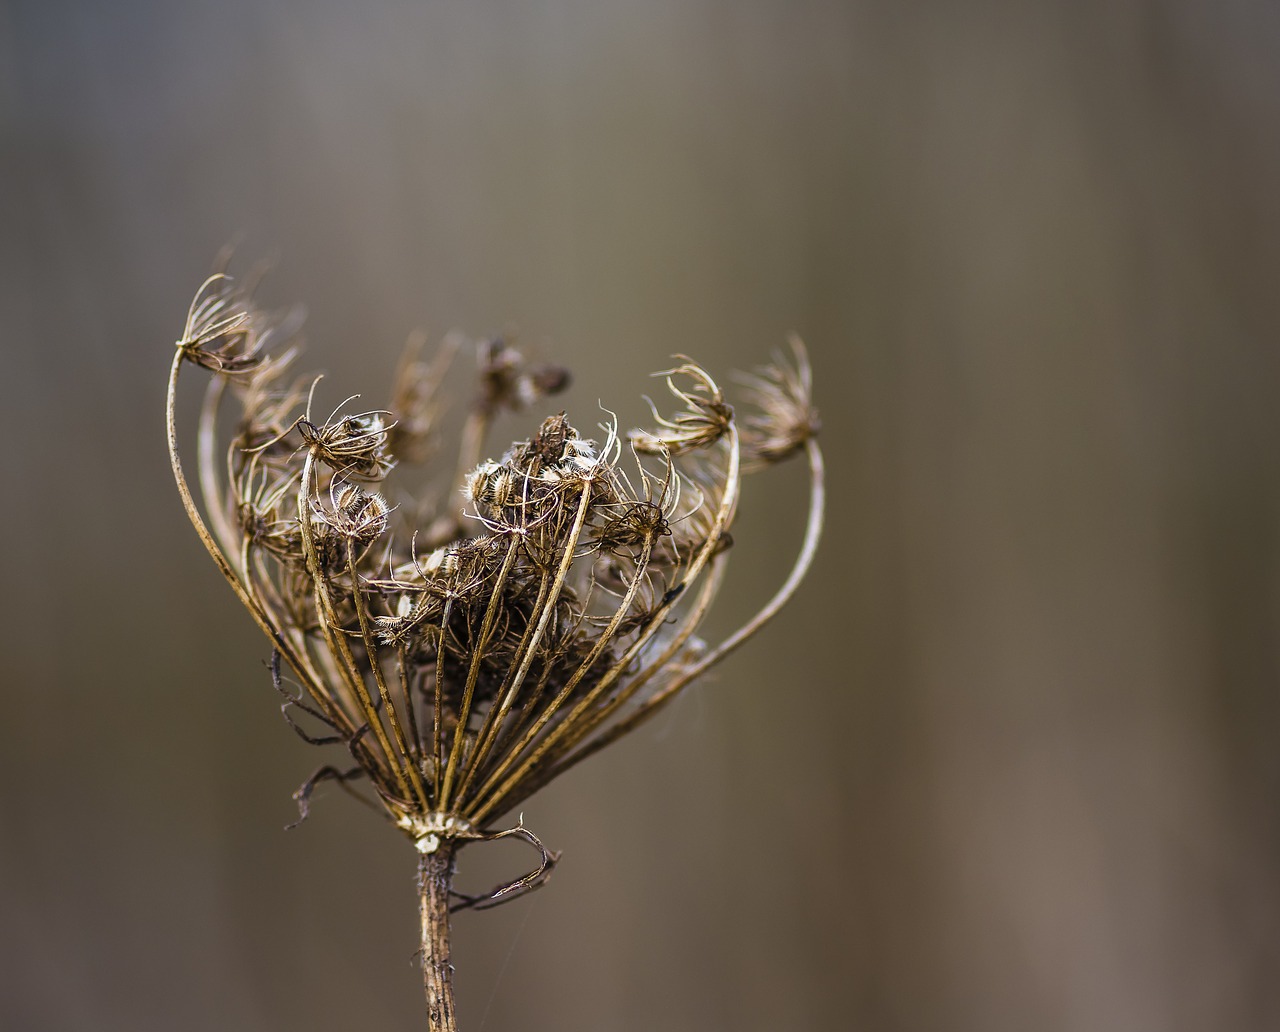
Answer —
353 513
350 445
547 605
785 419
705 419
507 381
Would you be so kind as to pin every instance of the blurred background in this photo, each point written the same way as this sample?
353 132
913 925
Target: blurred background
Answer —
1010 760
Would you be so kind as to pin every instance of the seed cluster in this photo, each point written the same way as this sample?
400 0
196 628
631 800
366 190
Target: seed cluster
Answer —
464 657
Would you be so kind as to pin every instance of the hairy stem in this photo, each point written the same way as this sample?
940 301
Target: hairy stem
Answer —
435 873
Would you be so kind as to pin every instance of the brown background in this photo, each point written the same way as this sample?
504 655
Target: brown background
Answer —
1010 761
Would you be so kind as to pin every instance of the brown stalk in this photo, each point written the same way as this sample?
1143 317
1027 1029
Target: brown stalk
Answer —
724 512
553 708
473 672
332 630
388 704
492 726
220 561
437 727
809 547
561 573
435 878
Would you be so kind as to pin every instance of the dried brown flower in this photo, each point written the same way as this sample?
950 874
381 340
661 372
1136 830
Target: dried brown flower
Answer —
705 419
785 419
554 603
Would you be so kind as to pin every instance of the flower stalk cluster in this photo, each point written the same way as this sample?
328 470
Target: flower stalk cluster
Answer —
465 657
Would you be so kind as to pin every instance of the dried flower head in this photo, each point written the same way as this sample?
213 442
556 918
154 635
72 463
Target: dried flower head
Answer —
785 419
219 333
350 445
508 381
548 607
704 420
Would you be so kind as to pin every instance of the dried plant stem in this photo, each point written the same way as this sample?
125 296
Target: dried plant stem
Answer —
813 532
558 702
334 638
371 651
435 873
291 655
188 503
206 441
498 713
554 613
473 671
493 800
561 573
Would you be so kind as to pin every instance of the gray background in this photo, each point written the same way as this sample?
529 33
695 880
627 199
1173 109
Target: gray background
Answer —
1009 762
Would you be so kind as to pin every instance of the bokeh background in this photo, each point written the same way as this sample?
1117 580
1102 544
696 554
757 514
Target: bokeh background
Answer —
1010 761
